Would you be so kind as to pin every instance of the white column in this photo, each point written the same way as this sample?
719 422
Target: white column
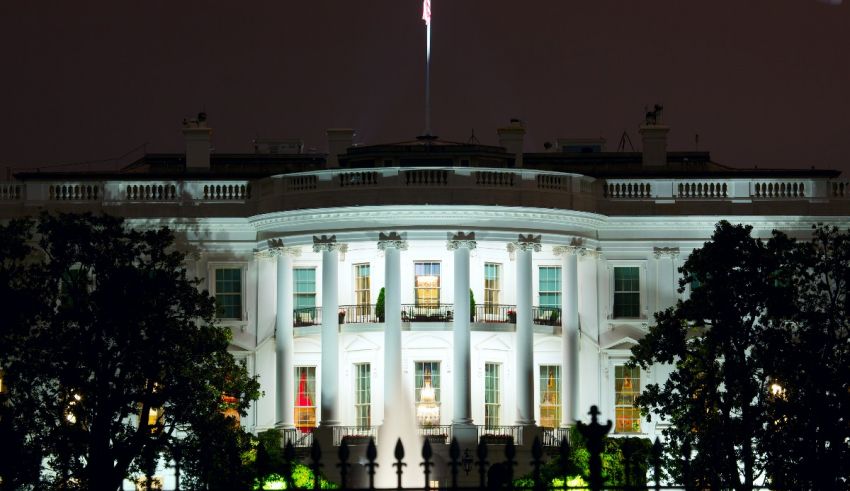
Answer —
329 248
392 244
524 360
461 244
284 402
667 280
569 336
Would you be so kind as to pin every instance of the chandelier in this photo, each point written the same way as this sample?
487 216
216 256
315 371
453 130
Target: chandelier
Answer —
427 411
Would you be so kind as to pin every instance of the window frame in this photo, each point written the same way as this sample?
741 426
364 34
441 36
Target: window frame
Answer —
541 291
438 288
542 386
636 416
642 294
362 395
242 266
367 291
296 293
491 304
315 407
493 410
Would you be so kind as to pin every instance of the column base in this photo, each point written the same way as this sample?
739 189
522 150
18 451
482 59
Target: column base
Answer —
324 436
466 435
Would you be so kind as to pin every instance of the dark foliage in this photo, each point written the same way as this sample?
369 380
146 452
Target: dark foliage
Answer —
106 329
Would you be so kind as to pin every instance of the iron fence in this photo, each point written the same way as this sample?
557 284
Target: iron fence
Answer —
307 316
495 313
358 314
546 316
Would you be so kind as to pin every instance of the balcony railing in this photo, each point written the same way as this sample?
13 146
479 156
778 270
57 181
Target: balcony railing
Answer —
552 437
500 435
437 433
307 316
358 314
546 316
355 435
297 437
427 313
495 313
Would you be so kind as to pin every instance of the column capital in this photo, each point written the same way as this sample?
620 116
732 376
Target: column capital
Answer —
328 244
576 247
460 239
671 252
277 248
391 240
528 242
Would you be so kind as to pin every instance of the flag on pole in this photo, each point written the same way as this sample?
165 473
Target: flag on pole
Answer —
426 12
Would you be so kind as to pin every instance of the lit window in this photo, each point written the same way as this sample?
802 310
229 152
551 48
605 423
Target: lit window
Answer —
427 384
363 394
305 398
549 286
492 287
627 292
228 293
626 389
304 291
550 396
362 289
427 284
492 395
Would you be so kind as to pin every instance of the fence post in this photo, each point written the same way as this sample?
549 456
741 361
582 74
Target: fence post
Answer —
482 462
426 462
593 434
656 462
343 464
399 454
371 455
454 454
536 455
316 464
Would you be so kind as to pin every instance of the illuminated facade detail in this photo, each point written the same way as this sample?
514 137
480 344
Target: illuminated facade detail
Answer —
428 393
626 388
550 396
567 255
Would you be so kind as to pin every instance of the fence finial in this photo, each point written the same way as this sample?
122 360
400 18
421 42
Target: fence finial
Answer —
399 454
594 433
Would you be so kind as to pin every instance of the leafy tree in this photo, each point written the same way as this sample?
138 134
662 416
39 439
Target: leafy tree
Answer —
379 306
715 398
111 353
806 357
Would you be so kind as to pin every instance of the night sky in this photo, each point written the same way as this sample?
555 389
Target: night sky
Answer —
763 82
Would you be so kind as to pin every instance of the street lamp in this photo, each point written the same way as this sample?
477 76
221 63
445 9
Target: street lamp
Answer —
466 461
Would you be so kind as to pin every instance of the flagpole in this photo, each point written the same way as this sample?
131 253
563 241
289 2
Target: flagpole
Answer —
428 77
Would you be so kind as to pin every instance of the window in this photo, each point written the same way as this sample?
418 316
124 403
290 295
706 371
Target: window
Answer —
363 394
549 286
228 293
627 291
427 385
492 395
304 292
427 284
492 286
362 295
305 398
626 389
550 396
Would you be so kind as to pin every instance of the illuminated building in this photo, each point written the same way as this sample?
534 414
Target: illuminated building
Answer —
567 252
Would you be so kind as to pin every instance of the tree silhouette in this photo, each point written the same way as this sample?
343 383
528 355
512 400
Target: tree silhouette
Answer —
112 353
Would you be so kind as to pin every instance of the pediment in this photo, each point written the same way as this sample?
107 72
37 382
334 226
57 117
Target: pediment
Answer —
494 343
359 343
426 341
621 337
548 343
307 345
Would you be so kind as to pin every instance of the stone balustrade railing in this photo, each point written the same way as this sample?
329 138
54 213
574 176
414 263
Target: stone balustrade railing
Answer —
740 190
446 185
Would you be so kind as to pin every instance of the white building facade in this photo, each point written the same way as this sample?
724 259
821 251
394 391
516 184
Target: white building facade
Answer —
567 255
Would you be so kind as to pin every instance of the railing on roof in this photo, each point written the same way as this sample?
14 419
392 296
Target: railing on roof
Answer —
743 190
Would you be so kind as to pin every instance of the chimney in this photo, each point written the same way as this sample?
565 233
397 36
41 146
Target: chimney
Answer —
653 132
512 139
339 141
197 137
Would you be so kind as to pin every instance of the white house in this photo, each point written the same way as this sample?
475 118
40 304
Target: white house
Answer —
568 252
